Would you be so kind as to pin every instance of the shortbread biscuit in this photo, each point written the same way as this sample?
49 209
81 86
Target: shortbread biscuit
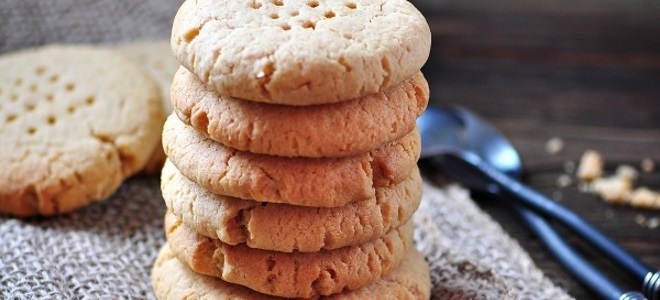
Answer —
171 279
324 182
300 52
284 227
74 122
297 274
356 126
156 57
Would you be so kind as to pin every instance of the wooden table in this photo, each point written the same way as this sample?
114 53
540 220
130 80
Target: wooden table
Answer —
587 72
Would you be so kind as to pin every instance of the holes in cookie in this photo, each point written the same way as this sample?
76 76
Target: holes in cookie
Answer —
34 88
40 71
313 3
51 120
309 24
29 106
71 109
286 27
31 130
49 97
90 100
255 5
294 13
18 82
278 2
274 16
11 118
13 98
54 79
351 5
329 14
70 87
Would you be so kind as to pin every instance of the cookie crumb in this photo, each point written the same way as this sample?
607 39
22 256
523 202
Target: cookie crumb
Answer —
612 189
643 197
590 166
554 145
647 165
564 180
569 167
627 172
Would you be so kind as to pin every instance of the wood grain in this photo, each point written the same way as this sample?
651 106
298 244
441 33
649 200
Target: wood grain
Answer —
585 71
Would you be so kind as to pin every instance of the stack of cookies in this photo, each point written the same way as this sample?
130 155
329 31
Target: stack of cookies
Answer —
292 151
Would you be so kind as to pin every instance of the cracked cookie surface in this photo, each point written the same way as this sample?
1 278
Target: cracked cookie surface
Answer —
356 126
171 279
300 52
293 275
322 182
284 227
74 122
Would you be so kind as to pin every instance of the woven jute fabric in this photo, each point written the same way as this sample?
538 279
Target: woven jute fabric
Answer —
106 250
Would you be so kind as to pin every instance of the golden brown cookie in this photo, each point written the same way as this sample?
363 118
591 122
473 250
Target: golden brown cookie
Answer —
297 274
324 182
356 126
171 279
284 227
156 57
74 122
300 52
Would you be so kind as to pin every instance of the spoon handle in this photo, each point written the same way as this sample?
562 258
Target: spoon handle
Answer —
546 206
568 257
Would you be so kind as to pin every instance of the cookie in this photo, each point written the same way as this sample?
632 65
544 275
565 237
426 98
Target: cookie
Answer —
74 122
297 274
357 126
300 52
171 279
156 58
284 227
323 182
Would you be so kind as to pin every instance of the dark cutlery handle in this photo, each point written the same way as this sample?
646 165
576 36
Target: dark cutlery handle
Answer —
544 205
568 257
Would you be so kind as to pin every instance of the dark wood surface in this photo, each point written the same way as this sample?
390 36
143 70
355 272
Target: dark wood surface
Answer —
585 71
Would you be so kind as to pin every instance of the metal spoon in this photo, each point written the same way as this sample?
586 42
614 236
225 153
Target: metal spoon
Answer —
469 150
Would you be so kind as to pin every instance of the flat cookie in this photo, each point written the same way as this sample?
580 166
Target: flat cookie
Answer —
300 52
156 58
300 275
171 279
357 126
322 182
74 122
284 227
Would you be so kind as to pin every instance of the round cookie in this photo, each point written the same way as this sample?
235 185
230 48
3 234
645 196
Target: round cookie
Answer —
284 227
156 57
357 126
74 122
321 182
171 279
294 275
300 52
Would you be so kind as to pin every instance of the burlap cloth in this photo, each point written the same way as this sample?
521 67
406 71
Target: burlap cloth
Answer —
107 250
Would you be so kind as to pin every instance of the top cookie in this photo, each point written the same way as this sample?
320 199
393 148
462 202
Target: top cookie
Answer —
74 122
300 52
